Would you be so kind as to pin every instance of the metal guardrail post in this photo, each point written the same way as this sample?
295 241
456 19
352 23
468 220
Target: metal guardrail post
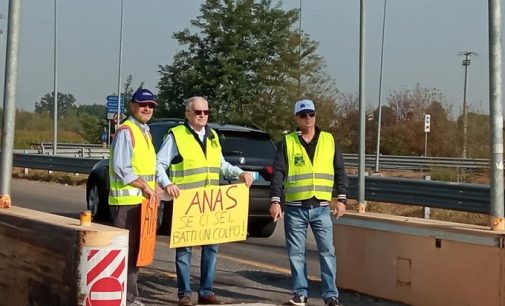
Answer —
427 209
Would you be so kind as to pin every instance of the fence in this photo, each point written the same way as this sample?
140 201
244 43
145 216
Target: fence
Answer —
437 194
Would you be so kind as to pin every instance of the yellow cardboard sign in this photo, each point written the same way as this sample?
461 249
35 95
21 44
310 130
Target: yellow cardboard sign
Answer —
210 215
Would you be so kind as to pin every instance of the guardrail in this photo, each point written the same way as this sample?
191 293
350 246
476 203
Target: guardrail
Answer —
55 163
437 194
84 150
417 162
385 161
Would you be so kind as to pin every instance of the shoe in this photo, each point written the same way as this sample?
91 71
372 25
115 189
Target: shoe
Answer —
185 300
298 300
209 299
333 301
136 303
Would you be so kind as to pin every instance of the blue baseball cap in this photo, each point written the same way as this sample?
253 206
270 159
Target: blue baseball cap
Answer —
143 95
304 106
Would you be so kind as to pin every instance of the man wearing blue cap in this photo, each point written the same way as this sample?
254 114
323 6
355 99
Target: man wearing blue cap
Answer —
309 169
132 170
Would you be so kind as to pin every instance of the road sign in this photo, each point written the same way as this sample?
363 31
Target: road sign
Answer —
113 103
427 119
113 99
106 291
113 109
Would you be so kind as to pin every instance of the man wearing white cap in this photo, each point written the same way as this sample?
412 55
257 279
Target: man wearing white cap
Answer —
309 169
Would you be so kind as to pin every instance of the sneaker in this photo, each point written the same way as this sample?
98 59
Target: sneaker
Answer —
209 299
333 301
185 300
298 300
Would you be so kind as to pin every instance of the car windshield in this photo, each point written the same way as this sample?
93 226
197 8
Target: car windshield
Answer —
252 144
158 132
249 143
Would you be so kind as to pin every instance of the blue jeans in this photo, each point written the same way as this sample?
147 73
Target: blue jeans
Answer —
207 269
296 221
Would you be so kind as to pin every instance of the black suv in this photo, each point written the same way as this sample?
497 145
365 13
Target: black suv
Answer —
248 148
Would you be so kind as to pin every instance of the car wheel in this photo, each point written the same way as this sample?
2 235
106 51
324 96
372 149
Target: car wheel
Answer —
97 202
261 229
165 218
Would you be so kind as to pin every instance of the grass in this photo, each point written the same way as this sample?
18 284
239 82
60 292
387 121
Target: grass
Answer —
53 177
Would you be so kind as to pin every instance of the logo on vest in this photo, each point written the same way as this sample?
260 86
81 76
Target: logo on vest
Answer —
298 160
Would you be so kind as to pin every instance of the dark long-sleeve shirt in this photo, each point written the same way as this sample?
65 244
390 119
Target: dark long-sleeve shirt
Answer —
280 170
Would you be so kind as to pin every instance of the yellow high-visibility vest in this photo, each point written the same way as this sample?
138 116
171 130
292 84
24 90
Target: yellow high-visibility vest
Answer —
143 165
306 179
196 169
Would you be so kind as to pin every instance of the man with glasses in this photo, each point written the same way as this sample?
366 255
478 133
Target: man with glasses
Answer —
309 169
132 169
192 153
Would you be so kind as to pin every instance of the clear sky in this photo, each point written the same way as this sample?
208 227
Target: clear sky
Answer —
422 41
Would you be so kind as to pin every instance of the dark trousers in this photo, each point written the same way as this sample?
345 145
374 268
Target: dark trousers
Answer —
128 217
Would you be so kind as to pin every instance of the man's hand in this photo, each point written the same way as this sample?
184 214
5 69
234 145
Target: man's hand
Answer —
337 208
246 177
148 192
276 211
172 190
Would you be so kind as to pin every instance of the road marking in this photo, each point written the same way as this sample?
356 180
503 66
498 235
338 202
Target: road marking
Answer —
264 266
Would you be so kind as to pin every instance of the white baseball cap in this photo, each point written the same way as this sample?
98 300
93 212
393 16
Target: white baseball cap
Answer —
304 106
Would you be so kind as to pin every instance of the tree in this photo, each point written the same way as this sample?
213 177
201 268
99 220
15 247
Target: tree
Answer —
96 110
66 103
245 59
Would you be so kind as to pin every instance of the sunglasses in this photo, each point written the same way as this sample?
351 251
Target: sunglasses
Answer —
201 112
307 115
148 105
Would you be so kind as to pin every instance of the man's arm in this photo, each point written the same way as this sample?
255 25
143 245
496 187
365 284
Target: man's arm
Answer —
341 184
167 152
228 169
341 180
278 172
277 180
122 152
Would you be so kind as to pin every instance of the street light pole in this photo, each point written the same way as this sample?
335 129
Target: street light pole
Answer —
118 121
300 52
466 62
377 150
55 89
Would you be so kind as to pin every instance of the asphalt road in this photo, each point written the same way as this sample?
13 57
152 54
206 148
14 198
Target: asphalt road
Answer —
252 271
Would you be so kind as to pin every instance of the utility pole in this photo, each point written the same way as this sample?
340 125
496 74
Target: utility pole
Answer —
466 62
55 81
379 109
119 68
300 52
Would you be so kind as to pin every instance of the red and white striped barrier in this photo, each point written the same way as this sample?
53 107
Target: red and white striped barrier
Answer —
103 272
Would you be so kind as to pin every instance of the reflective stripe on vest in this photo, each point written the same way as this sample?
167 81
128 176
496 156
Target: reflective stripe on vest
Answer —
196 169
306 179
143 164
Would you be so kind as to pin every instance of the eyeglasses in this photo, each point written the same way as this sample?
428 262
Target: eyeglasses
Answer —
199 112
148 105
307 115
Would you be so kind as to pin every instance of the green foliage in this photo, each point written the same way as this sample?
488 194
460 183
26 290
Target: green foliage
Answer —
246 60
95 110
66 103
90 128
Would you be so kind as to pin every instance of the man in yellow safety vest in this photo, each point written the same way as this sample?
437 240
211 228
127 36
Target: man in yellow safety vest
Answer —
192 153
132 170
309 169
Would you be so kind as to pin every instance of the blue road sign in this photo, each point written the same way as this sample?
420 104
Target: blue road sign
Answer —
113 109
113 103
113 98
